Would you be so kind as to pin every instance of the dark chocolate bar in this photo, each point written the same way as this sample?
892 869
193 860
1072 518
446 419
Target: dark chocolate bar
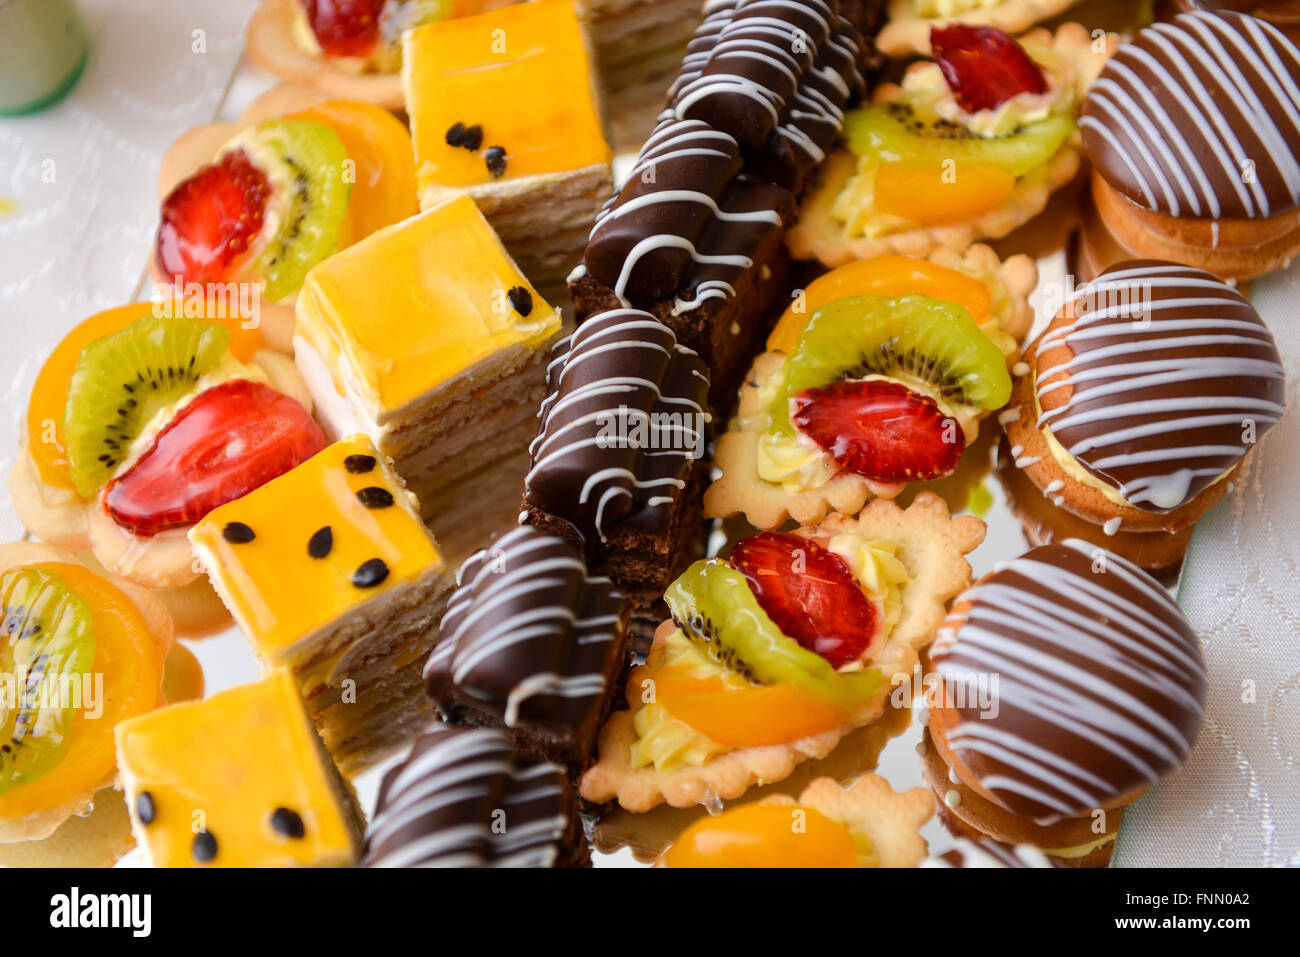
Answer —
464 797
618 464
533 643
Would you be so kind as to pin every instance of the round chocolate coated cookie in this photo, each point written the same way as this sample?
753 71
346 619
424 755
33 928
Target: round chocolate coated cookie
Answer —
1159 382
1200 118
1071 680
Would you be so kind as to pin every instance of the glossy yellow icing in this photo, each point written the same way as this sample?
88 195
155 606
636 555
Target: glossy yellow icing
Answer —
522 74
224 766
275 589
417 304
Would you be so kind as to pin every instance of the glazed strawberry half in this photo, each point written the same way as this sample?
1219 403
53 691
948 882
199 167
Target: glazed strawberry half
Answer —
228 441
344 28
810 593
210 220
983 66
880 429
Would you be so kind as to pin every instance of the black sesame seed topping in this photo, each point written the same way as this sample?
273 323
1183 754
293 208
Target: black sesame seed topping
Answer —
321 542
370 573
287 823
495 157
144 807
372 496
521 299
359 464
237 533
204 848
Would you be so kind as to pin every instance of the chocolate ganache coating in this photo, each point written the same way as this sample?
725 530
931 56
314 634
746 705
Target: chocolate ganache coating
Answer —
1162 382
1074 678
686 222
621 427
1200 118
529 636
442 806
809 121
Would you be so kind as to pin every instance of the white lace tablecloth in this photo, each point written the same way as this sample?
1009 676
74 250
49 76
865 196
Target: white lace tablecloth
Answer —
78 209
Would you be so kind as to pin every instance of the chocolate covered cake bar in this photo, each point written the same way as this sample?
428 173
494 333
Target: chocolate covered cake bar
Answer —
777 77
618 465
534 643
464 797
695 243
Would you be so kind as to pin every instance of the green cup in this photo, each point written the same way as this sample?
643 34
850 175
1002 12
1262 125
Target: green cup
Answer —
42 53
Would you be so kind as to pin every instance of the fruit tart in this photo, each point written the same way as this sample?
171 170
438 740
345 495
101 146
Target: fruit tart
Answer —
775 654
348 48
877 375
247 208
81 652
969 146
907 31
866 825
139 425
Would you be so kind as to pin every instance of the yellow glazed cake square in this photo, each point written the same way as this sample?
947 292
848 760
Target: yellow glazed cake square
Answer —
429 303
328 540
502 95
238 780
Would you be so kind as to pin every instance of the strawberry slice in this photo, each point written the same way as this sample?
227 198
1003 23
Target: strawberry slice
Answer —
880 429
345 27
984 67
228 441
809 593
209 220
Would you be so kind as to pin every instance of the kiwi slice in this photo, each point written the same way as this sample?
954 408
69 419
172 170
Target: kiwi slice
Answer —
46 644
715 608
122 380
898 131
931 340
307 162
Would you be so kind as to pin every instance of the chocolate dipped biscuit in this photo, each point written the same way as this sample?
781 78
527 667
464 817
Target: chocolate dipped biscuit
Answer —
1283 14
968 853
1138 403
1071 682
618 463
443 807
1193 130
533 643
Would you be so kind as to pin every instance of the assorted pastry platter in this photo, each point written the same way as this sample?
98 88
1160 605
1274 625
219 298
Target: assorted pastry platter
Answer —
803 489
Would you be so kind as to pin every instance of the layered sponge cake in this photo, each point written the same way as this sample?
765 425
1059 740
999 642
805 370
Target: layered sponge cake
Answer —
427 337
237 780
333 576
503 108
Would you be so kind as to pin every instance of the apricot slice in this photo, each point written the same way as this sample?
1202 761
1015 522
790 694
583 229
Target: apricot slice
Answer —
882 276
745 717
764 835
936 194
